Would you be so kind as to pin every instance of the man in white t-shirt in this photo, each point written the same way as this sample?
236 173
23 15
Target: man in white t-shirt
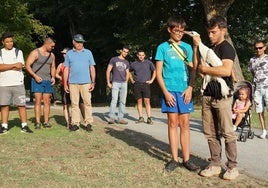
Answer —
11 83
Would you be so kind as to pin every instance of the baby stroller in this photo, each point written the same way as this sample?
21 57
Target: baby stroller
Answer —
244 128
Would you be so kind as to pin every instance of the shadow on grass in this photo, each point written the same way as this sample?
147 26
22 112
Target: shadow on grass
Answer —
15 122
153 147
59 119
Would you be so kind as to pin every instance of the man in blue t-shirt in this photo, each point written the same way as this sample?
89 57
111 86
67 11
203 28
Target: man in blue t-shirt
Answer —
175 74
144 75
80 71
117 75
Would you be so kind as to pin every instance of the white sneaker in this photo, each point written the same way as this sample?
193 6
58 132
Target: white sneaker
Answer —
263 135
231 174
211 171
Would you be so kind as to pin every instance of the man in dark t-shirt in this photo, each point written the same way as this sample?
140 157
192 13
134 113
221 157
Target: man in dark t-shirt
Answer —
144 75
216 109
224 51
117 75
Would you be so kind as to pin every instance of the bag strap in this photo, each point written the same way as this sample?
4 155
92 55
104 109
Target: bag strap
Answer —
16 52
179 51
43 63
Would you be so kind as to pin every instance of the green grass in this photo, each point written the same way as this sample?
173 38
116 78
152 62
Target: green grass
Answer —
110 156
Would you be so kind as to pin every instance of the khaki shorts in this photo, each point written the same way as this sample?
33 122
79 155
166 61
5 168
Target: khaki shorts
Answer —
12 95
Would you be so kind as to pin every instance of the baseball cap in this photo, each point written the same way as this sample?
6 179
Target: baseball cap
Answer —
78 38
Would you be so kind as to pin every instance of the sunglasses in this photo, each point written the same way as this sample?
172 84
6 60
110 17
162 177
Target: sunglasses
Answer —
259 48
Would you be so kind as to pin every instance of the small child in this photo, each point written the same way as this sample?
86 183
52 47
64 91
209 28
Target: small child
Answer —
241 106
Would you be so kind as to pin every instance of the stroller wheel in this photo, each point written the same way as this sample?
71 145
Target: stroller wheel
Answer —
238 136
251 134
243 137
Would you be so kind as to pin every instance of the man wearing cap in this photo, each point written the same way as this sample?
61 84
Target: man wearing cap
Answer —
80 71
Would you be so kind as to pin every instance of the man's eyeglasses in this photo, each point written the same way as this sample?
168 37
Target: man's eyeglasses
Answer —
259 48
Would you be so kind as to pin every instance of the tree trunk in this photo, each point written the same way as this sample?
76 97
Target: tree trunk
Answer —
220 7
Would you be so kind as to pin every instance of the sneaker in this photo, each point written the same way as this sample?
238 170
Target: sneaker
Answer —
89 128
190 166
47 125
263 135
111 121
171 165
26 129
73 128
231 174
37 126
121 121
211 171
141 120
3 130
149 121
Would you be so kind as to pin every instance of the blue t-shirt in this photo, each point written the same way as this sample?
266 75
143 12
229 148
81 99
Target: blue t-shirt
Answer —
175 71
142 70
120 66
79 65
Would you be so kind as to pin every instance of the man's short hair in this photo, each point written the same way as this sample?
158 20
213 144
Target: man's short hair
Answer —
140 50
125 47
49 40
260 41
7 35
217 21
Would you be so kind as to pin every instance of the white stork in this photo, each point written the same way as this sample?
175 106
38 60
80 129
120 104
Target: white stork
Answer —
211 59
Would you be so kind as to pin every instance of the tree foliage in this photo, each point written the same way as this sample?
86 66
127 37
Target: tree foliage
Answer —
220 7
108 24
15 18
248 22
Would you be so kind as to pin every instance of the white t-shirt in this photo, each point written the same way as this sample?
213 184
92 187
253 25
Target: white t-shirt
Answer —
11 77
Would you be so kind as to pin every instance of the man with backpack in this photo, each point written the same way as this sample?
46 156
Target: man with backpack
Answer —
12 83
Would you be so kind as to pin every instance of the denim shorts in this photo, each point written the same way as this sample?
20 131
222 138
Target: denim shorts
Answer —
180 106
261 99
43 87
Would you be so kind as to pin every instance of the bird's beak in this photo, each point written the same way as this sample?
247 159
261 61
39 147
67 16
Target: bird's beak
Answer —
191 33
